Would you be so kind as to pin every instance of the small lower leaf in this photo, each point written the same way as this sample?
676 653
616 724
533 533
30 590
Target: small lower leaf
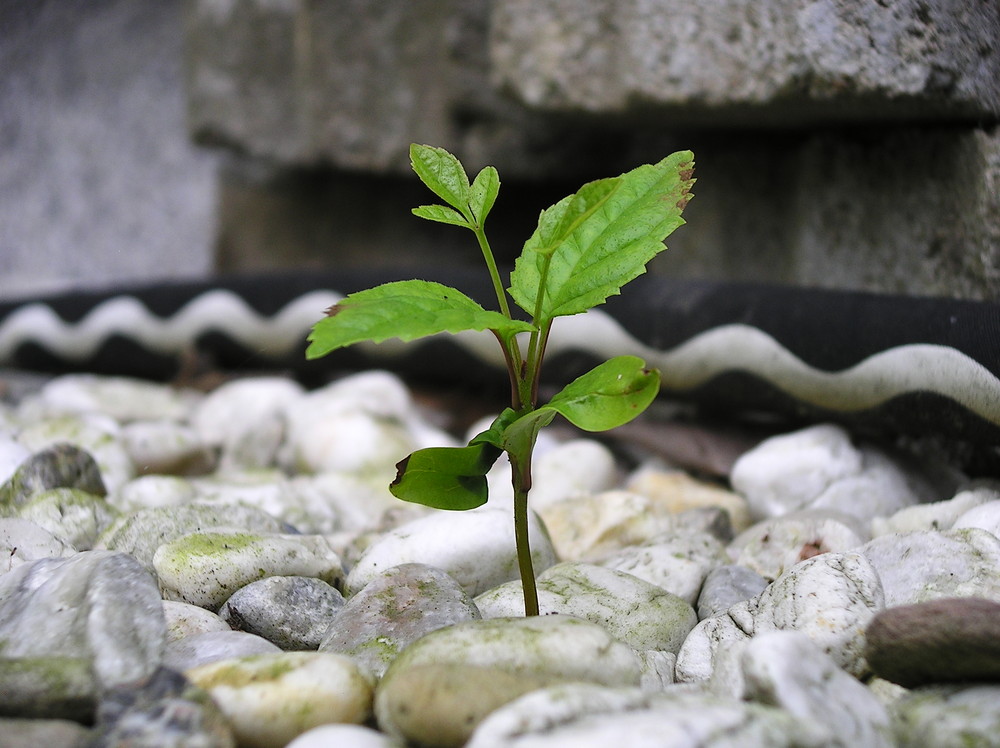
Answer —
445 477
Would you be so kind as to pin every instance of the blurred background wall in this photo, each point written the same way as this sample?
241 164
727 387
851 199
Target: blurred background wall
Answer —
840 143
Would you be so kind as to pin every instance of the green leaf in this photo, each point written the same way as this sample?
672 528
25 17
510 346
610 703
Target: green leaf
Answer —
519 437
406 310
445 477
483 193
607 396
441 214
579 256
452 477
443 174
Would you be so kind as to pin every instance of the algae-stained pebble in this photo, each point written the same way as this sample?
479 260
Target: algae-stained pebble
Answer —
58 466
206 568
270 699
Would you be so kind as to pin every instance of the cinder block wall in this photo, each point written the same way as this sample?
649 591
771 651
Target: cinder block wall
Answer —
843 143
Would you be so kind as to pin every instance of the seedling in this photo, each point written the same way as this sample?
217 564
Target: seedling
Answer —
585 248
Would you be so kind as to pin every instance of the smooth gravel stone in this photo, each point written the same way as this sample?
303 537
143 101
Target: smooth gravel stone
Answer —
678 562
634 611
225 415
594 526
920 566
674 492
50 733
985 517
206 568
72 515
184 619
96 433
57 466
575 467
582 716
785 669
727 585
270 700
48 688
942 641
946 716
773 546
12 454
343 736
819 467
344 502
712 520
445 683
292 612
936 515
140 533
152 491
121 398
212 646
395 609
22 542
831 598
476 548
99 605
166 710
166 447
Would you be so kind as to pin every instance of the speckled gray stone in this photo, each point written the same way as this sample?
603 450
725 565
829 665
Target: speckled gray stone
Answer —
727 585
57 466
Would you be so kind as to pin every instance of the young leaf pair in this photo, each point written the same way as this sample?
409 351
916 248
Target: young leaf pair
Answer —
585 248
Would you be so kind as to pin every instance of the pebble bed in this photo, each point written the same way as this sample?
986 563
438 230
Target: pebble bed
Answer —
228 568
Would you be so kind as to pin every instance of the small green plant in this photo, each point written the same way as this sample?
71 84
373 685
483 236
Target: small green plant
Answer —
585 248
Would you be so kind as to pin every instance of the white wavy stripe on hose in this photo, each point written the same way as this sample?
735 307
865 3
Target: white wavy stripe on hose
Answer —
734 347
219 310
870 382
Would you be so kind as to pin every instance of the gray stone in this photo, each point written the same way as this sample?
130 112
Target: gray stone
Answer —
52 733
206 568
727 585
643 615
830 598
585 716
292 612
393 610
942 641
444 684
948 716
48 688
785 669
98 605
166 710
58 466
212 646
75 516
140 533
812 62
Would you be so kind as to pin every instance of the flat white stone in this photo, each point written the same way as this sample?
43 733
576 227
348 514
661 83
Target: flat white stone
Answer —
476 548
676 492
642 615
831 598
592 526
443 684
184 619
271 699
343 736
919 566
773 546
121 398
579 466
936 515
12 454
985 517
166 447
224 415
214 646
207 568
23 541
787 670
148 491
819 467
677 563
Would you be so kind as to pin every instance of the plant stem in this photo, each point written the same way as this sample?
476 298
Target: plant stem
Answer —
521 480
498 289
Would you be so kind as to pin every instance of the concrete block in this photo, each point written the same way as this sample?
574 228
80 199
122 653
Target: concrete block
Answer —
781 62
